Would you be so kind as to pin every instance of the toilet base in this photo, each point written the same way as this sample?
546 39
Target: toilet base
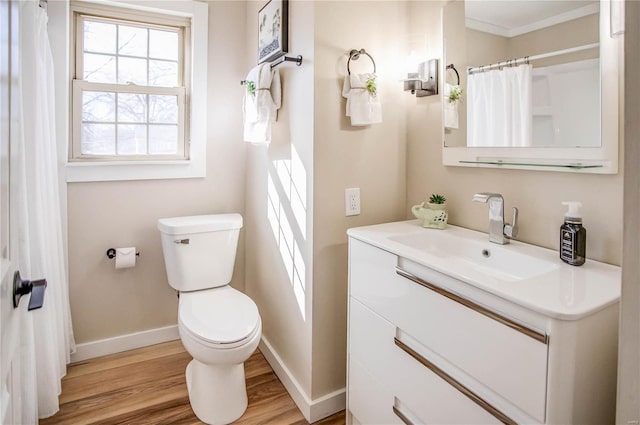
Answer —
218 394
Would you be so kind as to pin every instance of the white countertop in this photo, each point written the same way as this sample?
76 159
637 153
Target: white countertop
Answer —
564 292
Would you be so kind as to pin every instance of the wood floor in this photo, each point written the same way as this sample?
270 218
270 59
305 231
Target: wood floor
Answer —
147 386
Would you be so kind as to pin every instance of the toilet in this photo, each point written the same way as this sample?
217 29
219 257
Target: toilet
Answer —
219 326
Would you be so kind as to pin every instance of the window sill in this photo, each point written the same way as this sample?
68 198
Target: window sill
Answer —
96 171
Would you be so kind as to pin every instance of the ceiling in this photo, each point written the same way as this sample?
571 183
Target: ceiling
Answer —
509 18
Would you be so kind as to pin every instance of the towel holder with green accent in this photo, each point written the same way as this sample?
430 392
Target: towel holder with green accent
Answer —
355 55
450 66
297 60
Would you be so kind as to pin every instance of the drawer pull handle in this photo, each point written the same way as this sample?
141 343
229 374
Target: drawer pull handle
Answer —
402 416
454 383
540 337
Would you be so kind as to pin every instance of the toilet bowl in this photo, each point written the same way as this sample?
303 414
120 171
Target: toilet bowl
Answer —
219 326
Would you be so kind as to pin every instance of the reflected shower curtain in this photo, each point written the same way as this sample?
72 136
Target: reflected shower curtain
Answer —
38 198
500 107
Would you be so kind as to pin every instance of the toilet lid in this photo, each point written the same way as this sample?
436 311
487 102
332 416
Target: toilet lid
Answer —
220 315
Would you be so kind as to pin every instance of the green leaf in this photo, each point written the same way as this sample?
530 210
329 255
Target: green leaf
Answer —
437 199
371 85
455 94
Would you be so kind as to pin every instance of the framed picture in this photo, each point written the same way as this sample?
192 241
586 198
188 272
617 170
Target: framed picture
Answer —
273 25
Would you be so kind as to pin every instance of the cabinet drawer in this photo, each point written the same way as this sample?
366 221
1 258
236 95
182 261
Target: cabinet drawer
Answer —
509 362
417 391
370 402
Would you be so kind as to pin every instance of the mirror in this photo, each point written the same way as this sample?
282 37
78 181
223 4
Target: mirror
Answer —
539 85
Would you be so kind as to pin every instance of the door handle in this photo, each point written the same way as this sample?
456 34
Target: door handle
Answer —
24 287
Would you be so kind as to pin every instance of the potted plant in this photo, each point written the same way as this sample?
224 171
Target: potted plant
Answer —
434 213
437 202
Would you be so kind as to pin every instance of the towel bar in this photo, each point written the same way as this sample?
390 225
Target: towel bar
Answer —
297 60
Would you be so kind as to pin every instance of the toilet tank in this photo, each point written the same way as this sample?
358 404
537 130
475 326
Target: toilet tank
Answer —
199 251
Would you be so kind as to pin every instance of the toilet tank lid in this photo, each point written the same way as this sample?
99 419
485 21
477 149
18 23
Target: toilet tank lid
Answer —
199 223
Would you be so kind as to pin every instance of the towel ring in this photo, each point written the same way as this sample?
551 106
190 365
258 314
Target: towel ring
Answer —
450 66
355 55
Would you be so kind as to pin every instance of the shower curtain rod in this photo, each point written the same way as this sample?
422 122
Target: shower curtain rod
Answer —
528 59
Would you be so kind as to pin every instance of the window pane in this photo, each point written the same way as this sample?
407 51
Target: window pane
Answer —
163 73
132 41
132 139
118 120
163 109
98 106
163 44
163 139
98 139
132 107
99 68
99 37
132 70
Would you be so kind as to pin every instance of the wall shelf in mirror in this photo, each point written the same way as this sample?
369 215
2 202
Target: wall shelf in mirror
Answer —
519 164
575 96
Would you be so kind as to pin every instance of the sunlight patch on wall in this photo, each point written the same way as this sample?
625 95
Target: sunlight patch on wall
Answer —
286 192
293 179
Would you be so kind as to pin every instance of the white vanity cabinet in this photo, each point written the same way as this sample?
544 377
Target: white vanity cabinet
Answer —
427 347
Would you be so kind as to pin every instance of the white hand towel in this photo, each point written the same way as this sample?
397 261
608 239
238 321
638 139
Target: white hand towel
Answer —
260 106
450 108
363 107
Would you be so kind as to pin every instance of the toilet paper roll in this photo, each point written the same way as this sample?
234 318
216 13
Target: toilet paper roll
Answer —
125 257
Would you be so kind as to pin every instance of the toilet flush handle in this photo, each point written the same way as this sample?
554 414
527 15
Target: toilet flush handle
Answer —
182 241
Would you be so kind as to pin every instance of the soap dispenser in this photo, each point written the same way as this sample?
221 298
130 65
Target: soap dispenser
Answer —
573 237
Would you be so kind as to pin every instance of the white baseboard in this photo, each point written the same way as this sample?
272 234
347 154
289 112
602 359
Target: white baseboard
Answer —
103 347
313 410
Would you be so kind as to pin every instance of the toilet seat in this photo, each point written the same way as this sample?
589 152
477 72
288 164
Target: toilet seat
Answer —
223 316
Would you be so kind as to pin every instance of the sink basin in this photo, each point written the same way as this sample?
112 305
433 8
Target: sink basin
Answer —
528 275
474 256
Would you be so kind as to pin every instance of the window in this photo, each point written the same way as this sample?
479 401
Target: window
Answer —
187 19
129 91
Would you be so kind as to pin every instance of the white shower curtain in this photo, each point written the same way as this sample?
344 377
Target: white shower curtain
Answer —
38 200
499 106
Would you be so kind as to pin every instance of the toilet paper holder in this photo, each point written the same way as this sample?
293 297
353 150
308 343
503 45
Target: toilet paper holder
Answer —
111 253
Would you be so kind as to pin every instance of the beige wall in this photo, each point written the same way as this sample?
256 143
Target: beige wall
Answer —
628 411
279 198
371 158
577 32
106 302
309 331
537 194
455 52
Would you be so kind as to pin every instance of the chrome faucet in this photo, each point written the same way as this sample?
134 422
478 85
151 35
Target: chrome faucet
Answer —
499 231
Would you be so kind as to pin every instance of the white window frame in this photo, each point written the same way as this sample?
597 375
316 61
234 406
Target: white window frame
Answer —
194 96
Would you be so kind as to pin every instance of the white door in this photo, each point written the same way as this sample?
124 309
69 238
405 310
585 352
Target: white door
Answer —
13 321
